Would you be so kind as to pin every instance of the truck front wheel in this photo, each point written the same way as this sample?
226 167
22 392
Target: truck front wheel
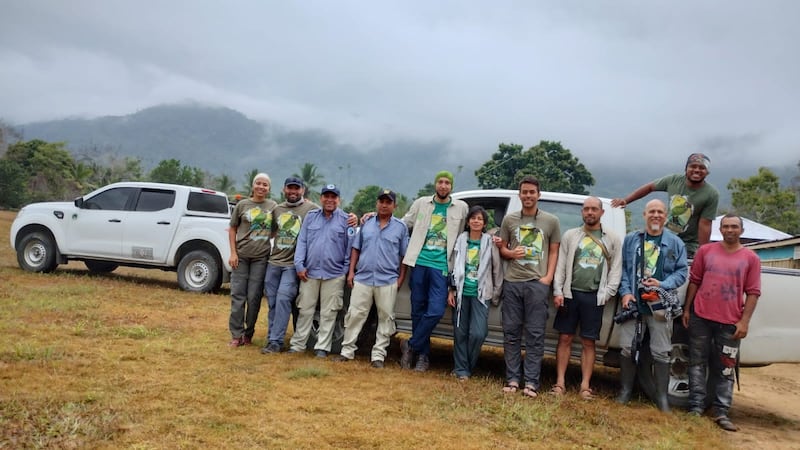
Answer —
37 252
199 271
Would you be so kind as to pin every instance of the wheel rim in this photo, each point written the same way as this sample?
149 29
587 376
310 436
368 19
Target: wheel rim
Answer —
35 254
197 274
679 375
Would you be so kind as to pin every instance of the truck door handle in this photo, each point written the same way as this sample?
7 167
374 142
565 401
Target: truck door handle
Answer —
163 223
114 220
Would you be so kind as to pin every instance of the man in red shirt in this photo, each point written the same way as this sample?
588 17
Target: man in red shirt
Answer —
724 286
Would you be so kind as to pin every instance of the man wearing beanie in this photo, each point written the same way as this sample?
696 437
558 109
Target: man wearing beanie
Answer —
692 204
434 223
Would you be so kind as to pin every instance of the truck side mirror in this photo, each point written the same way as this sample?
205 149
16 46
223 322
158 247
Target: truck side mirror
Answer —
79 202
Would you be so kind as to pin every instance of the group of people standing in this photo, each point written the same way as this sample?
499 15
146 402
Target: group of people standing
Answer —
452 260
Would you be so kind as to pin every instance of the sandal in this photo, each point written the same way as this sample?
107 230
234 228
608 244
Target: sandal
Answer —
530 392
511 387
587 394
557 390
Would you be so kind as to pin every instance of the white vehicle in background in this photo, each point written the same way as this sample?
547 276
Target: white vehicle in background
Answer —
138 224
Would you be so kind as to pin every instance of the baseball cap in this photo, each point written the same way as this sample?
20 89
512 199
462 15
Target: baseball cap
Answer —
293 180
330 188
387 193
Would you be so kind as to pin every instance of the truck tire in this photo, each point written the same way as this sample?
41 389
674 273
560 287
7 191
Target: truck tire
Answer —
199 271
37 252
100 266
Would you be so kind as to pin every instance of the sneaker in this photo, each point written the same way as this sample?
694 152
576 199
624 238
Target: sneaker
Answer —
407 354
271 348
341 358
423 364
236 342
377 364
247 340
294 350
320 353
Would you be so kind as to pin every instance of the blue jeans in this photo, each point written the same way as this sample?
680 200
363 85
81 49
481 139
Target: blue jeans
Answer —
246 292
428 302
709 339
469 334
281 288
524 311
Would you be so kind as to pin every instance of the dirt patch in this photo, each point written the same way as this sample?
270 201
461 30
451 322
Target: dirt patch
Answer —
767 409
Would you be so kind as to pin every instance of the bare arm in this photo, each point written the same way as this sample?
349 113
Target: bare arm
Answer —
743 324
640 192
234 259
691 291
552 259
703 231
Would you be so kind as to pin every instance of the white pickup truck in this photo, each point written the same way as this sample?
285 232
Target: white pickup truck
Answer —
149 225
774 329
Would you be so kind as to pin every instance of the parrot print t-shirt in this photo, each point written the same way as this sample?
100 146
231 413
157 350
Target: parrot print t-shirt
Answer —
434 250
534 234
687 206
588 265
286 224
253 224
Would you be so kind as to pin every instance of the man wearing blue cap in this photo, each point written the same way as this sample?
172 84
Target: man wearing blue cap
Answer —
321 259
692 203
376 272
435 222
280 284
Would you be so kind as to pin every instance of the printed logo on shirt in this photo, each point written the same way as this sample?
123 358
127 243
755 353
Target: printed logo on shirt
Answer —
680 211
532 240
288 230
591 255
473 259
651 253
436 239
260 223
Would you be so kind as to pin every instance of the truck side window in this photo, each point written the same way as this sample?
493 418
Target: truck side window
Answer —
155 200
210 203
569 214
110 200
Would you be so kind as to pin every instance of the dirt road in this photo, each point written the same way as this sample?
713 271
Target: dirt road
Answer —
767 409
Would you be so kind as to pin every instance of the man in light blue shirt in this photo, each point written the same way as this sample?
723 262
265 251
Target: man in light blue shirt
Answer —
376 271
321 259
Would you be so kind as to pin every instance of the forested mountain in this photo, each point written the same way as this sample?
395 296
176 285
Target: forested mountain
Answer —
223 141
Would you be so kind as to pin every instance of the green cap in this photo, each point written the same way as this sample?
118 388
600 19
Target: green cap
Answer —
443 174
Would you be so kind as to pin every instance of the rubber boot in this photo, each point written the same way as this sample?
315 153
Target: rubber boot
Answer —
627 376
661 375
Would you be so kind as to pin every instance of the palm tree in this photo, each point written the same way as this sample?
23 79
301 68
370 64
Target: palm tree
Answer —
224 183
312 179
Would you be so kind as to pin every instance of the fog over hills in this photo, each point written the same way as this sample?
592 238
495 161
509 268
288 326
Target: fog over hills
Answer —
224 141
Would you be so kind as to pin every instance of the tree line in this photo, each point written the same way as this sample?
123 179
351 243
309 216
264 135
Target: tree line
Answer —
36 170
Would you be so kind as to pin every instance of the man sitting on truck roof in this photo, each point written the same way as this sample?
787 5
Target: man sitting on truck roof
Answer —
692 201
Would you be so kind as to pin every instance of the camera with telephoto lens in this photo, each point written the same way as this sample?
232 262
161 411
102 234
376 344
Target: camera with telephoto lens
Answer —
627 314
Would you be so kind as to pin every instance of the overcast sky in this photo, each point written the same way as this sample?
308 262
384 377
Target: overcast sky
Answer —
612 80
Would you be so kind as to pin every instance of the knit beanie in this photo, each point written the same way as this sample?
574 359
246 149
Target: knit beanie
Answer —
444 174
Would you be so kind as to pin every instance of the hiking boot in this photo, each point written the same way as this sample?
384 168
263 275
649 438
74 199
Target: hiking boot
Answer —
247 340
271 348
377 364
725 423
236 342
294 350
423 364
407 355
341 358
320 353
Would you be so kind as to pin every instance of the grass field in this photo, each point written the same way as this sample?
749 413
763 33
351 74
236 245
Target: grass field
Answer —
127 360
